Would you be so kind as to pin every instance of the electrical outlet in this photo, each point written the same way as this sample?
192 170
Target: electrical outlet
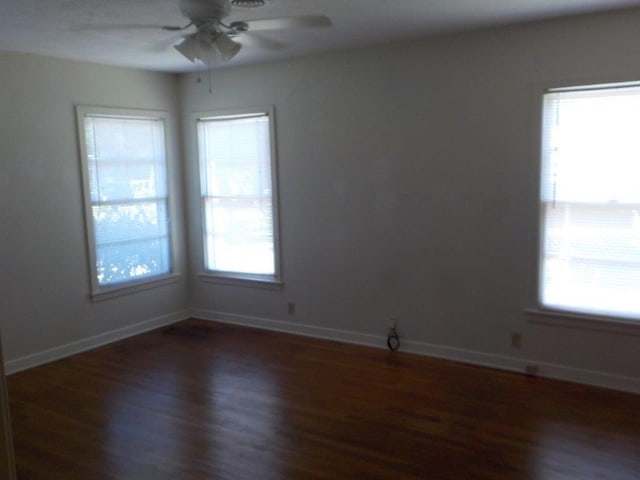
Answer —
516 340
291 308
394 323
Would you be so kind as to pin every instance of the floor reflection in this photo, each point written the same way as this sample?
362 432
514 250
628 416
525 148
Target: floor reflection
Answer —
230 428
563 451
154 435
246 417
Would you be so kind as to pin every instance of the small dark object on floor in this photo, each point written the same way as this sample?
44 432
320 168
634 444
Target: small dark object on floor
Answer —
190 331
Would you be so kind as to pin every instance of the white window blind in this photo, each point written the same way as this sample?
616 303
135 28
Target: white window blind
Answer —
127 181
237 184
590 201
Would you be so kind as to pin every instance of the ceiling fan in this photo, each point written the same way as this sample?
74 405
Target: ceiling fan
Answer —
214 40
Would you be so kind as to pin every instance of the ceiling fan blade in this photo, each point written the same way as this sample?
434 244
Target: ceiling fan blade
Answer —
176 28
251 39
303 21
163 45
122 26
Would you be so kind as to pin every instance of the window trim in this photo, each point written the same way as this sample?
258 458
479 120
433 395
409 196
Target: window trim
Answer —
537 312
238 278
97 292
564 318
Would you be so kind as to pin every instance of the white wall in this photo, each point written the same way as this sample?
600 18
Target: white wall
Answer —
408 178
408 188
45 310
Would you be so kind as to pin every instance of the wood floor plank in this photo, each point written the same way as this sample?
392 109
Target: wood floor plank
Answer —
201 400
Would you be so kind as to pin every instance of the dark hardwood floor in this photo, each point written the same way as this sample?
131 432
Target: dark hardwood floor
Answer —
201 400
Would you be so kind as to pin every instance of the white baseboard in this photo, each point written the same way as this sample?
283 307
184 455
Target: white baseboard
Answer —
289 327
513 364
56 353
591 377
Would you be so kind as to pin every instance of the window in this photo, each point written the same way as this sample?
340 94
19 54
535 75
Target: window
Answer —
239 202
125 178
590 201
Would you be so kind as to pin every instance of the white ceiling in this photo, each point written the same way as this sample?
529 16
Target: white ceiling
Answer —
86 29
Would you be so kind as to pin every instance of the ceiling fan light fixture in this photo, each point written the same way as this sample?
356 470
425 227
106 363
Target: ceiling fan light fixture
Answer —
199 47
187 48
248 3
227 47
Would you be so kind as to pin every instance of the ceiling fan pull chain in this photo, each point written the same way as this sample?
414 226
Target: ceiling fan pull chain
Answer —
210 79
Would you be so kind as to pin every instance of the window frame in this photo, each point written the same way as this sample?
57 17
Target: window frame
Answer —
540 313
103 292
229 277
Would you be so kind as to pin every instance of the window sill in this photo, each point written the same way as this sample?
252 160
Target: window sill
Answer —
584 321
248 281
133 287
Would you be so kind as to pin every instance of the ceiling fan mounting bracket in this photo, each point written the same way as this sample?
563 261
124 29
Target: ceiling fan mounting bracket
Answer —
205 11
239 26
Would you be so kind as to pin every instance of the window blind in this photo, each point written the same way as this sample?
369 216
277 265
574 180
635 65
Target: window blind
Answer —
127 171
590 201
237 194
